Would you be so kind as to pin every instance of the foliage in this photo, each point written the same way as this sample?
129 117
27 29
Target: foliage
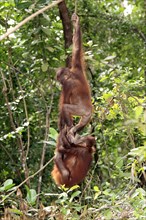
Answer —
114 42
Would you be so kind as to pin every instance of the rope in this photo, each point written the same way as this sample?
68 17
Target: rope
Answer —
75 6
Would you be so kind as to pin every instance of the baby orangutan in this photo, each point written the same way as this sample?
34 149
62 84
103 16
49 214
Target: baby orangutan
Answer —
72 162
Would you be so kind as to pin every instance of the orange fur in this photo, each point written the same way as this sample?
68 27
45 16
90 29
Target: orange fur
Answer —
78 163
73 154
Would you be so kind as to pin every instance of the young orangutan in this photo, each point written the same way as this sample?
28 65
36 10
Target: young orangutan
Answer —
72 164
75 96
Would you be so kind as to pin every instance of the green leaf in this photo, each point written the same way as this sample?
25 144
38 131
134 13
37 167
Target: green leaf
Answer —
31 196
51 49
110 58
138 111
16 211
46 30
73 188
7 185
96 189
44 67
53 133
119 162
98 192
139 152
8 182
108 215
74 195
106 96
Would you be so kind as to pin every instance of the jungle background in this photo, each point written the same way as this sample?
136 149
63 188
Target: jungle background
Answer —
114 41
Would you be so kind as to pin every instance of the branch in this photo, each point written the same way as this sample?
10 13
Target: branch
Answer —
67 29
26 113
48 112
13 29
5 89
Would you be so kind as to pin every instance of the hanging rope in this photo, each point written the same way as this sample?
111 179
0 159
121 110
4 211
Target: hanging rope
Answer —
75 6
